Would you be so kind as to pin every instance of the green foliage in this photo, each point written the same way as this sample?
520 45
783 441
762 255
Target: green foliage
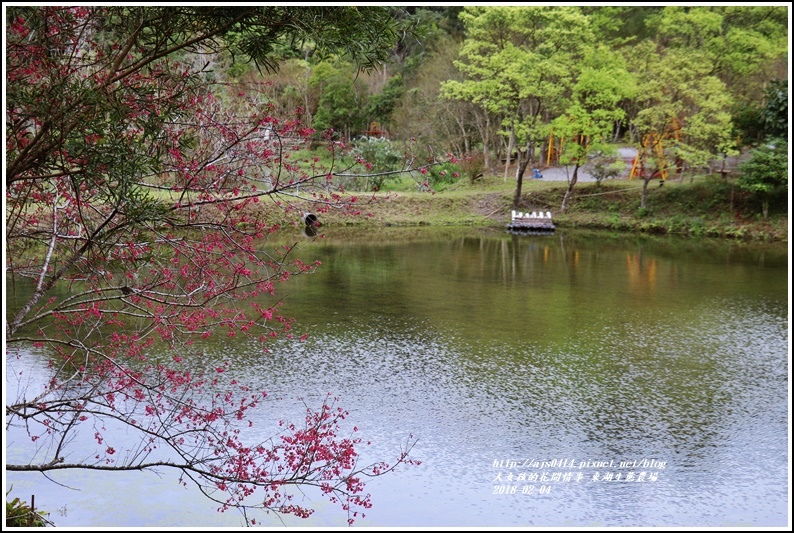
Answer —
768 119
766 173
685 26
703 198
518 60
613 220
323 72
426 35
379 156
767 169
518 66
679 98
620 24
731 44
20 514
697 227
747 125
381 105
341 106
750 38
443 174
472 166
593 109
774 113
421 114
378 152
267 34
710 206
677 224
238 69
604 166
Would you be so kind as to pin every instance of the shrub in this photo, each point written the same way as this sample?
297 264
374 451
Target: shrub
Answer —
697 227
472 166
676 224
766 173
20 514
378 155
444 173
603 167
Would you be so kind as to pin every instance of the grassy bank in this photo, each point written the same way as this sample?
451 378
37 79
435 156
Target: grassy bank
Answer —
704 206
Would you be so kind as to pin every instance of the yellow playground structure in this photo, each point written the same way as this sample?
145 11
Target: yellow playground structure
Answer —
653 144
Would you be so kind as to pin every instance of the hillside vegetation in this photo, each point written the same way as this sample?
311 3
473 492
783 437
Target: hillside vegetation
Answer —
705 206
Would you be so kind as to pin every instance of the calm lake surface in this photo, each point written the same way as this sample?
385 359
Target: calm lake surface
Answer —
579 379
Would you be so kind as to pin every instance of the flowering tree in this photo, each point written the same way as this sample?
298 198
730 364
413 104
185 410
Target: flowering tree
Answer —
133 203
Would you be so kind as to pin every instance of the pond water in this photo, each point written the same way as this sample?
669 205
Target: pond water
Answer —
578 379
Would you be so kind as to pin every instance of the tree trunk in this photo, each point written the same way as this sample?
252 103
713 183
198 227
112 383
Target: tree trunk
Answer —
465 138
644 192
484 129
509 150
523 161
462 126
571 185
305 90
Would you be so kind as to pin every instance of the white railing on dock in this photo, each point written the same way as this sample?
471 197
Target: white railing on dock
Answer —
535 214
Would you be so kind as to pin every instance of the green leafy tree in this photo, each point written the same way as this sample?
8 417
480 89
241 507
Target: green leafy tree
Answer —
381 105
424 38
593 112
619 25
766 173
448 125
774 114
750 44
365 34
342 100
520 64
755 123
743 46
684 111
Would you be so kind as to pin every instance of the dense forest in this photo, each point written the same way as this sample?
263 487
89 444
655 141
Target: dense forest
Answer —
505 88
507 80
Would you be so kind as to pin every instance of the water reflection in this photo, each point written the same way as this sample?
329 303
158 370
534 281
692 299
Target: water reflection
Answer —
588 348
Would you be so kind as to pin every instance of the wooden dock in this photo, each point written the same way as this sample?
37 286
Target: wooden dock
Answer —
535 223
